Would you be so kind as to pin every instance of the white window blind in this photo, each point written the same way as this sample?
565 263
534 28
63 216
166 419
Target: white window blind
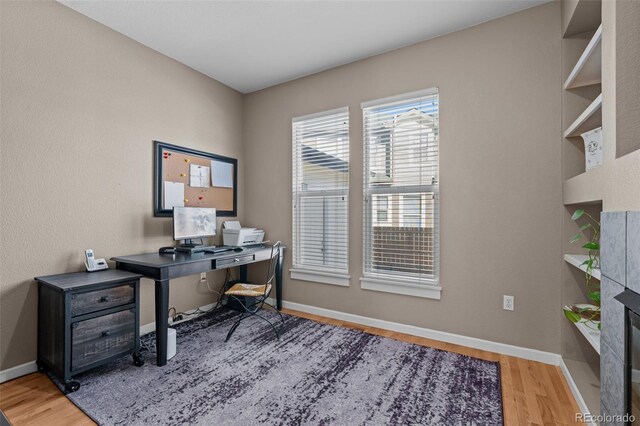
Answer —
321 191
401 190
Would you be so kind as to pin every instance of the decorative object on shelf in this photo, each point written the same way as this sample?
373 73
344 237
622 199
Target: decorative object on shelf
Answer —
593 148
588 314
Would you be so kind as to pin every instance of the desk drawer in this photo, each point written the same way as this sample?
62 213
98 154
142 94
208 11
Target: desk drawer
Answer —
236 260
102 337
94 301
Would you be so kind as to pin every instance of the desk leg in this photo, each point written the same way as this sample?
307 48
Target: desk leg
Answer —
162 326
279 279
243 273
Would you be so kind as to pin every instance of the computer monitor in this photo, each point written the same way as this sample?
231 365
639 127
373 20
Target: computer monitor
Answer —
193 222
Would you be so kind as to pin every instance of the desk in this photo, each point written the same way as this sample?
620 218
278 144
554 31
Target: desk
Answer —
163 267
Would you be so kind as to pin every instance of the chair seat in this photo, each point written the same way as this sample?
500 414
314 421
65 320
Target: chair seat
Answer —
249 290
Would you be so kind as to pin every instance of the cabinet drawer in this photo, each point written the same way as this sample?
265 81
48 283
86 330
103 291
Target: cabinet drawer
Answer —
93 301
102 337
237 260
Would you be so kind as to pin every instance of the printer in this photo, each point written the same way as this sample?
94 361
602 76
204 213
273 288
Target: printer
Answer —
235 235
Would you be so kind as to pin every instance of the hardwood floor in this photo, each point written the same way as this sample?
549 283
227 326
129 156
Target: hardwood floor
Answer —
533 393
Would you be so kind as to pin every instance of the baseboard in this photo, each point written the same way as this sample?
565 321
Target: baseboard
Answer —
151 327
472 342
17 371
582 405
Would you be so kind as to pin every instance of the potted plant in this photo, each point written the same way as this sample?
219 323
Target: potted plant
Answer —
589 314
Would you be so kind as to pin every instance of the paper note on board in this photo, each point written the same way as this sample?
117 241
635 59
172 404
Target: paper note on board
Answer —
173 195
198 176
221 174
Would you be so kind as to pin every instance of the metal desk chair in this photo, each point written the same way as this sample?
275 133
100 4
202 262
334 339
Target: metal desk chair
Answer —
252 297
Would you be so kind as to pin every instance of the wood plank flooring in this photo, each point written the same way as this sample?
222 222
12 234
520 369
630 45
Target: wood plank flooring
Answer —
533 393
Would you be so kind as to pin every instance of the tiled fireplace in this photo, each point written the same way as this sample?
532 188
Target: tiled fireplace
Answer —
620 297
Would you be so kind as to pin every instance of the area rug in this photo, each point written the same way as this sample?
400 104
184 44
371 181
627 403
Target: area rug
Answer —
316 374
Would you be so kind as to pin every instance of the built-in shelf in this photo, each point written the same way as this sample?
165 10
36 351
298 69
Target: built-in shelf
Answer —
590 332
577 260
584 16
590 119
589 329
588 69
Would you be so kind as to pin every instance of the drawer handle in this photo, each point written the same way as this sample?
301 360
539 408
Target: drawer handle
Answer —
106 333
104 299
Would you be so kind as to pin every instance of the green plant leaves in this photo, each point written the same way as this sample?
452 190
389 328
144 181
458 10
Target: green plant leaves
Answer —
595 297
571 316
577 214
585 226
592 246
575 238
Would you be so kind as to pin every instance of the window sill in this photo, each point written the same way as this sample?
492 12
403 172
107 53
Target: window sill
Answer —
397 286
341 280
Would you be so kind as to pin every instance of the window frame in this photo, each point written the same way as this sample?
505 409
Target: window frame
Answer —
313 273
390 281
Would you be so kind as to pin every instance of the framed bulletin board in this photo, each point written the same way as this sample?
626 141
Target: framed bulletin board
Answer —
190 178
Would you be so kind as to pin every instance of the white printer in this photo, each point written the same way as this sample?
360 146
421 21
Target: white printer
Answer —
235 235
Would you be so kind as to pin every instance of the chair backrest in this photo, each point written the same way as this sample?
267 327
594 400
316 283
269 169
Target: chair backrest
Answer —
273 262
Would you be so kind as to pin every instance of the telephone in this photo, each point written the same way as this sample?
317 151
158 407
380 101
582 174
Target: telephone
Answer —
92 263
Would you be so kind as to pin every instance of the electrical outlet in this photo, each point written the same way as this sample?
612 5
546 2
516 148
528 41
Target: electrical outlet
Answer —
203 276
507 303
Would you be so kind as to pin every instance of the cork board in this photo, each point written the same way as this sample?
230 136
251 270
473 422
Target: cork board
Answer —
191 178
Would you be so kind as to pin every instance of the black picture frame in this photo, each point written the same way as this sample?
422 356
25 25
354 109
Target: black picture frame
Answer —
158 148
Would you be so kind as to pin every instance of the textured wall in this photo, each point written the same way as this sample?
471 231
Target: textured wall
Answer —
81 105
501 210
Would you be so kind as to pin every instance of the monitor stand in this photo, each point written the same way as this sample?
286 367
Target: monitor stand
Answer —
189 244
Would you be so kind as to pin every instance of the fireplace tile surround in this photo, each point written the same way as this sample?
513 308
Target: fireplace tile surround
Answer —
620 268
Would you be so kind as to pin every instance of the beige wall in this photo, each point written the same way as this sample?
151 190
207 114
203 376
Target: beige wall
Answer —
81 105
501 211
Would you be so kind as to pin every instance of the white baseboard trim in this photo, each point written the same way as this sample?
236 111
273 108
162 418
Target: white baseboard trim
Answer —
582 405
151 327
472 342
18 371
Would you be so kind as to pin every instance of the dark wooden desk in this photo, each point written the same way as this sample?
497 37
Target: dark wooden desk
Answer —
162 267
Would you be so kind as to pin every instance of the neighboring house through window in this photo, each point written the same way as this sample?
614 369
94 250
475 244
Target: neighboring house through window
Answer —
401 194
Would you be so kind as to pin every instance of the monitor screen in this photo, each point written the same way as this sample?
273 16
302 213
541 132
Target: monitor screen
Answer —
193 222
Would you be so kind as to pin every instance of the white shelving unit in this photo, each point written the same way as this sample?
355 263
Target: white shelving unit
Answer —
588 330
588 69
577 259
590 119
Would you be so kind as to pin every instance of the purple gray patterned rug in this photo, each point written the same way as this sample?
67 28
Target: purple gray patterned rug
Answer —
317 374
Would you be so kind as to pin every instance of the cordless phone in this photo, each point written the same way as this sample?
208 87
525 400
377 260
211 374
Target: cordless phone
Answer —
92 263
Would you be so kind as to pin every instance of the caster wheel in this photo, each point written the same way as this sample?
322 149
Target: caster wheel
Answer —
71 386
138 361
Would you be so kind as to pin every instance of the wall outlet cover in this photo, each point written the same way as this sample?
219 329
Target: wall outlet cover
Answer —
507 303
203 276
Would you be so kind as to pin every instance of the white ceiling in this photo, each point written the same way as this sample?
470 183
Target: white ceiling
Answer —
250 45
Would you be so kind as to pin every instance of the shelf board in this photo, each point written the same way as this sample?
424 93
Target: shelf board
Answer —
590 119
592 336
588 69
577 259
589 331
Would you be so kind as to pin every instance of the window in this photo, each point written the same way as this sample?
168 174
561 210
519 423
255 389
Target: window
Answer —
321 197
401 194
381 204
